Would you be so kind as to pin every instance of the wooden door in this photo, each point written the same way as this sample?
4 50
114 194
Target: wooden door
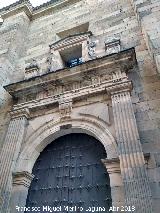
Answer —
69 173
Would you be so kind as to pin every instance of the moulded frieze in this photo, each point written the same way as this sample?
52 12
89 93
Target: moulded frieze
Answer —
109 86
57 88
90 78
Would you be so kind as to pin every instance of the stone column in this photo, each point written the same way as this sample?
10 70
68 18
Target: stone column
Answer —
9 154
117 190
134 174
21 183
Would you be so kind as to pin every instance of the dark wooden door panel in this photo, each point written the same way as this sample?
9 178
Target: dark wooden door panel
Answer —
69 172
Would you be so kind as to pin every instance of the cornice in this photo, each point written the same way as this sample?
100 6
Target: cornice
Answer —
34 12
17 7
120 87
70 41
125 60
50 7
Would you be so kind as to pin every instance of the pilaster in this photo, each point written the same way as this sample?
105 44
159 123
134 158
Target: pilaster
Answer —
21 184
10 151
116 183
134 174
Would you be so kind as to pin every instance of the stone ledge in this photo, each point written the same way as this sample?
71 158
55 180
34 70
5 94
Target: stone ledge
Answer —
15 8
33 12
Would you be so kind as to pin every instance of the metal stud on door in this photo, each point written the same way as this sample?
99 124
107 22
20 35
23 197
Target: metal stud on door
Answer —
69 175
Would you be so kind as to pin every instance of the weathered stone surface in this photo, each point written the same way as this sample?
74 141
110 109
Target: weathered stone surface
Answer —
27 33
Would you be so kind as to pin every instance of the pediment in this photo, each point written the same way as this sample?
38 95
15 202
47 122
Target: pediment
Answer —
69 41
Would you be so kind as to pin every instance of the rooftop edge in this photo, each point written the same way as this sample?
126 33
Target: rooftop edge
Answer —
32 12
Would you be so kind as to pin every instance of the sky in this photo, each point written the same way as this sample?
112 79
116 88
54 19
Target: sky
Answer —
4 3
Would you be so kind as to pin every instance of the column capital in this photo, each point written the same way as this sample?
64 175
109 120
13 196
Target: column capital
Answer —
114 171
22 178
112 165
17 113
120 87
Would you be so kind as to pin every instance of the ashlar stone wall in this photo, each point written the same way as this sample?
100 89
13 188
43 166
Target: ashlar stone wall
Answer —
12 36
135 23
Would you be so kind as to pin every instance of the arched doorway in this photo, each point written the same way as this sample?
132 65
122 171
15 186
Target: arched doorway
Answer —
69 173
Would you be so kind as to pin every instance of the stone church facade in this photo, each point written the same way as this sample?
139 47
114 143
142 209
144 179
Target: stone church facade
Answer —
75 73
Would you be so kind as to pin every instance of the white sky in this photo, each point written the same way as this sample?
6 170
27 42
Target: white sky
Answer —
4 3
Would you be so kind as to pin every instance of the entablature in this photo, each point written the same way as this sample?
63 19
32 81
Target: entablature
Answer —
99 75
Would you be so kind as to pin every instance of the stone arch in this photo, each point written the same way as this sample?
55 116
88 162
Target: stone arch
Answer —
70 162
50 131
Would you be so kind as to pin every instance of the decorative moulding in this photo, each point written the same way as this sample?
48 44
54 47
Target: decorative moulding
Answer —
120 87
112 45
22 178
65 108
34 12
70 41
19 113
125 59
32 70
